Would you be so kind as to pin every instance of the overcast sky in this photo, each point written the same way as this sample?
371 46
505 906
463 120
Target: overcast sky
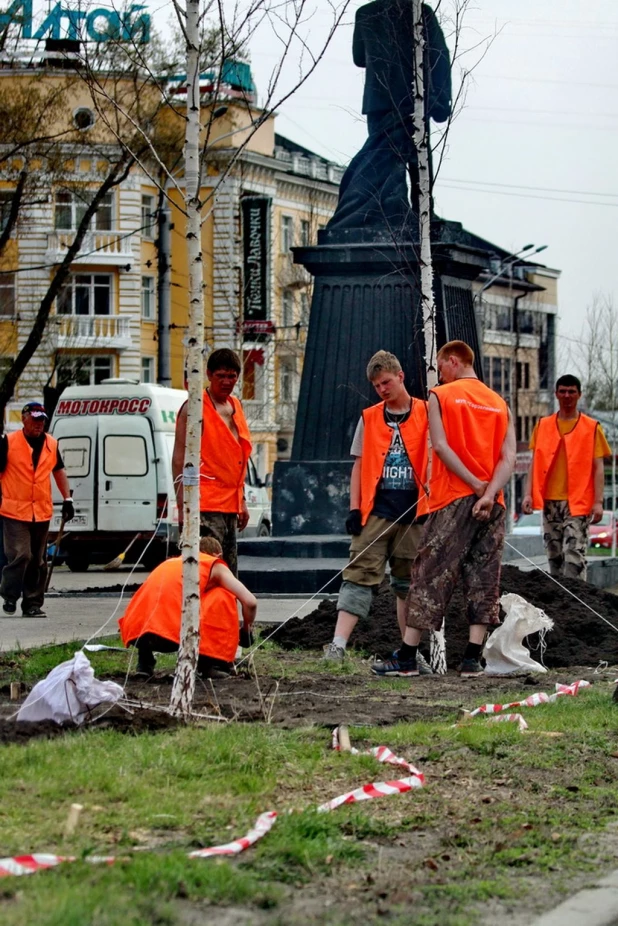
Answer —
531 157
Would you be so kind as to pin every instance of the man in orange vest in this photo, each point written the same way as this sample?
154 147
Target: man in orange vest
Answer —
152 621
566 479
387 495
473 454
27 460
225 452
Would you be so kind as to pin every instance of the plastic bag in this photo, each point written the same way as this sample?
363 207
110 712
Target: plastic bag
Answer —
69 692
504 652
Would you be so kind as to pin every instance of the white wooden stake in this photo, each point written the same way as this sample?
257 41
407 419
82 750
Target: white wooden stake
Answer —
437 646
184 679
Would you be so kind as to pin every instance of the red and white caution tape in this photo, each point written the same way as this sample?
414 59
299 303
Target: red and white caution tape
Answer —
377 789
532 700
263 825
28 864
510 718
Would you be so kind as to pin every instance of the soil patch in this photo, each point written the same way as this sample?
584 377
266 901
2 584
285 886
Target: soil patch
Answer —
579 637
144 720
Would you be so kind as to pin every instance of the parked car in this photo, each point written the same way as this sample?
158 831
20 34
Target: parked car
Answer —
529 525
601 533
258 503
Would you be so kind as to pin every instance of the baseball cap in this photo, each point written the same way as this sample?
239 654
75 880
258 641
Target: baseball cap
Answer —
35 409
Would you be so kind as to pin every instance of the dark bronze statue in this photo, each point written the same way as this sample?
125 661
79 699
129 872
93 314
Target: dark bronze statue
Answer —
375 188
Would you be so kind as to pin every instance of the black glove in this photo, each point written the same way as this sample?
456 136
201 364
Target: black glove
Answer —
245 638
68 511
353 523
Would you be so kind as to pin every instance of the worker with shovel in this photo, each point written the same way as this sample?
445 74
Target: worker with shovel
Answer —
28 458
154 614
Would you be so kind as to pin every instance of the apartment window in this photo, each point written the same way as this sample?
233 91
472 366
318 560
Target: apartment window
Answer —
86 294
6 198
253 375
287 379
498 317
71 205
287 233
85 370
305 232
148 370
523 375
148 299
287 310
149 216
7 294
497 375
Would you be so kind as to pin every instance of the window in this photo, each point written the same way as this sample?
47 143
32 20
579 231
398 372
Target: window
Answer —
84 370
287 233
148 369
148 298
124 455
305 232
149 216
7 294
83 118
287 309
498 317
5 365
287 379
86 294
304 309
6 198
75 453
523 375
497 375
253 375
72 204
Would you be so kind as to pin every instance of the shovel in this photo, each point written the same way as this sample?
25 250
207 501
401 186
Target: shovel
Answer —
55 553
119 560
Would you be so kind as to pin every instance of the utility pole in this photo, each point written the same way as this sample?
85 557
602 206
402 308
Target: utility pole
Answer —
437 645
164 289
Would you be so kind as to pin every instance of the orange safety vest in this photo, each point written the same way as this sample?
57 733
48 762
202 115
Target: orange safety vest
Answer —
475 420
26 491
376 442
579 448
156 607
223 459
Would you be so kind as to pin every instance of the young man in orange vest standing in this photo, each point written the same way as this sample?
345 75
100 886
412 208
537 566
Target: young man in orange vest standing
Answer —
566 480
473 454
28 458
387 495
226 448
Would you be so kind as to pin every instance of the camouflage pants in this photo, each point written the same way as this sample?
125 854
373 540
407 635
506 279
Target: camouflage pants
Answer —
566 540
222 525
454 545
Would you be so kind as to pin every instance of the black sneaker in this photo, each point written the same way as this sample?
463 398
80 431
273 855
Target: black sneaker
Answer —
32 612
395 667
470 668
9 606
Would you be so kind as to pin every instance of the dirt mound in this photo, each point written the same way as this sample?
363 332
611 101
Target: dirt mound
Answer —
579 637
141 721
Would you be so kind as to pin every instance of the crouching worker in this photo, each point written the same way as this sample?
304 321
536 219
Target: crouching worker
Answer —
152 621
387 495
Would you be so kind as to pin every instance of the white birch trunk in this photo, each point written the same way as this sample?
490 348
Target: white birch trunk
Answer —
184 680
437 647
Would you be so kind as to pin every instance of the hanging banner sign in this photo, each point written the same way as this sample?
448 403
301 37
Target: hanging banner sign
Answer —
98 25
256 240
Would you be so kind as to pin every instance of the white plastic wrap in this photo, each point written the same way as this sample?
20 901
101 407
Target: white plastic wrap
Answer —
505 653
69 692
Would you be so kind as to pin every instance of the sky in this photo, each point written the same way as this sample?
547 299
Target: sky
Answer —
531 158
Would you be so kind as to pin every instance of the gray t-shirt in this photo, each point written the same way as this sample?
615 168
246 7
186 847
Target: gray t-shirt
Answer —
397 491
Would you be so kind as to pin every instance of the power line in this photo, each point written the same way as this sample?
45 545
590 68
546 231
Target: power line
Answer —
551 199
522 186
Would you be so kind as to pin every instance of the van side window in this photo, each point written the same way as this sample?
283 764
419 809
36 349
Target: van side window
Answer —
75 453
124 455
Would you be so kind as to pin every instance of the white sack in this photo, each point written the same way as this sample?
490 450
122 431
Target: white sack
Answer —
69 692
504 652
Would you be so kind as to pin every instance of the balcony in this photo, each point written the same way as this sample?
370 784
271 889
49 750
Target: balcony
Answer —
88 331
103 248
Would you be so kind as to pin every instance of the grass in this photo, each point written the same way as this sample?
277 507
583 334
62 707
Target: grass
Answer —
502 816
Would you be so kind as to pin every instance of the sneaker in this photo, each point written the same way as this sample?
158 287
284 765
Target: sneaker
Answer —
334 654
32 612
423 666
9 606
393 667
470 668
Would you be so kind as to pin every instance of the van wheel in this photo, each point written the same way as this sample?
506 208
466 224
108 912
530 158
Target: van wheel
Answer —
78 563
264 529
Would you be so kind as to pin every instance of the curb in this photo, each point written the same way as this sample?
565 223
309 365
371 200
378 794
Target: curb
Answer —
593 906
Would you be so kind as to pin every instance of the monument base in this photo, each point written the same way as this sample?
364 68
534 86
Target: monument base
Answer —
310 497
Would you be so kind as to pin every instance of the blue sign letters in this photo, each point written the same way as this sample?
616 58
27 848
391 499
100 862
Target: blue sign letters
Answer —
102 25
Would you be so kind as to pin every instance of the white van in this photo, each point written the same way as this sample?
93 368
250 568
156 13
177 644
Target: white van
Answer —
116 441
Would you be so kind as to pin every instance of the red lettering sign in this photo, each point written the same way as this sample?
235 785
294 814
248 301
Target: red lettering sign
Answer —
144 405
134 406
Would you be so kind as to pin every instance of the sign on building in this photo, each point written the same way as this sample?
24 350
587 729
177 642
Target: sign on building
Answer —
256 247
98 25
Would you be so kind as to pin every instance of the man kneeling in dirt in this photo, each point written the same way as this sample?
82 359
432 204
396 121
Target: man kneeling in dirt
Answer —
387 496
153 617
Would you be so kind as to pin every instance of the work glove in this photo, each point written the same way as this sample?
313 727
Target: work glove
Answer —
353 523
68 511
